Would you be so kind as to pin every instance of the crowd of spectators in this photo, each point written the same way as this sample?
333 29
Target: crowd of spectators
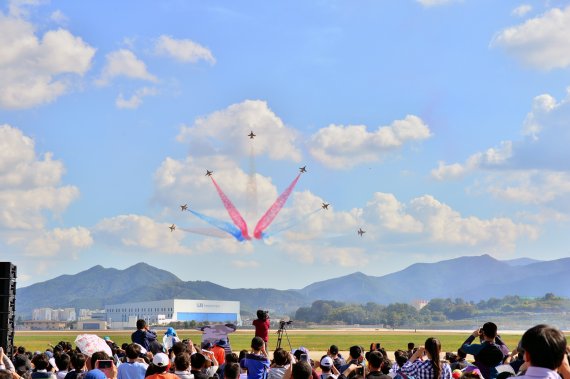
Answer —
541 353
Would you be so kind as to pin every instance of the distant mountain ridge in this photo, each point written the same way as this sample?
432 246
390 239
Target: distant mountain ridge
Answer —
471 278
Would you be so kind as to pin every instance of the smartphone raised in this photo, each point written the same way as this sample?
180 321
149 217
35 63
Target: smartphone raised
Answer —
304 357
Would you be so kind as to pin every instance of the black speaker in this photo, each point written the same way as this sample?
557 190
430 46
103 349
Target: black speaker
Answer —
7 306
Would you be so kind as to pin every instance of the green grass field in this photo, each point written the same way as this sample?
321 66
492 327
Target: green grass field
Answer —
313 340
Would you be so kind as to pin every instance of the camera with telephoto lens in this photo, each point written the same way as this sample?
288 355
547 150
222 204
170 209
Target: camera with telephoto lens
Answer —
283 323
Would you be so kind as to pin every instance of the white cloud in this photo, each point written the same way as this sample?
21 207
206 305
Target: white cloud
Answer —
225 132
442 224
343 147
139 232
183 50
59 241
521 10
136 99
435 3
492 157
58 17
29 185
386 211
124 63
35 71
541 42
533 187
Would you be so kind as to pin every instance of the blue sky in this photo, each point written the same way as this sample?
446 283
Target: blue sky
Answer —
438 126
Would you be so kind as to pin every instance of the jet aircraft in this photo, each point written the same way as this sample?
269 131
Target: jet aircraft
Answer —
303 169
251 135
325 206
184 207
209 173
361 232
172 228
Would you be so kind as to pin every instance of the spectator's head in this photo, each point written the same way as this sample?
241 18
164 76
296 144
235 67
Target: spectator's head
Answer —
326 364
133 351
21 350
333 350
40 361
355 352
411 346
231 371
489 330
242 354
257 343
5 374
401 357
461 354
386 366
375 360
545 346
179 348
141 324
78 361
232 358
280 357
161 363
197 361
182 361
302 370
62 361
98 356
433 348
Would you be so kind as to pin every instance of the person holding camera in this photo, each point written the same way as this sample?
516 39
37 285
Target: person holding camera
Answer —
143 335
262 326
425 363
487 353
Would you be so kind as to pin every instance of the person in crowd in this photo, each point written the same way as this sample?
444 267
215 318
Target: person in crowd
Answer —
355 357
229 358
487 354
281 361
400 357
411 349
219 350
545 350
169 339
262 324
143 335
77 361
135 367
41 367
232 371
161 364
21 361
182 366
256 362
211 363
328 371
338 359
95 372
62 361
431 367
516 358
301 370
460 361
198 364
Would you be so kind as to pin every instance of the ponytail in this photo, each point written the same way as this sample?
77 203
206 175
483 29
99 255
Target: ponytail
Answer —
433 347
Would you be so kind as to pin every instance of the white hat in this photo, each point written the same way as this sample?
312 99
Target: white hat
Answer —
161 360
326 362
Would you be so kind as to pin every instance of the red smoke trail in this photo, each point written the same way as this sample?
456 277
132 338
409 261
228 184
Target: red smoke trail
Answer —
232 211
272 212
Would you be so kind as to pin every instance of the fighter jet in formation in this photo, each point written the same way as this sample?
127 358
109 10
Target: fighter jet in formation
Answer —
325 206
209 173
361 232
184 207
172 227
251 135
303 169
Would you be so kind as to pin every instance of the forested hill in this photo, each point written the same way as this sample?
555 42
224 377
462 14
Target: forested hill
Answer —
469 278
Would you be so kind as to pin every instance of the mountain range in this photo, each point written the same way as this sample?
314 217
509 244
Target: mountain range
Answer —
471 278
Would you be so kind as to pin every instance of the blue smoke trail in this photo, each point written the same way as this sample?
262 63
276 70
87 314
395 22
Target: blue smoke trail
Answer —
222 225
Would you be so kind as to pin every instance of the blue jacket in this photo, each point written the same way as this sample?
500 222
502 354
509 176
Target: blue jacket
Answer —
256 365
143 338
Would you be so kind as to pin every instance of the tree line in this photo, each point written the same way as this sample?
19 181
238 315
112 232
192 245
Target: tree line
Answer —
437 310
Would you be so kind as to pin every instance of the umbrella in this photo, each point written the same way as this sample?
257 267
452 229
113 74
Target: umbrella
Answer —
91 343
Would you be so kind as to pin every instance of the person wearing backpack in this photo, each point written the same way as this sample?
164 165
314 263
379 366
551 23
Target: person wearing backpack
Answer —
487 353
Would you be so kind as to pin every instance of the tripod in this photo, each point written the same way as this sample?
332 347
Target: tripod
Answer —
282 330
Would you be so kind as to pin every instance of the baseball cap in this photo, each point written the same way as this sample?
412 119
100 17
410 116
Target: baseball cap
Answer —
161 360
326 362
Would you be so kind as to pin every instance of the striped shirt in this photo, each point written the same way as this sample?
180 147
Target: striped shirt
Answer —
423 370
